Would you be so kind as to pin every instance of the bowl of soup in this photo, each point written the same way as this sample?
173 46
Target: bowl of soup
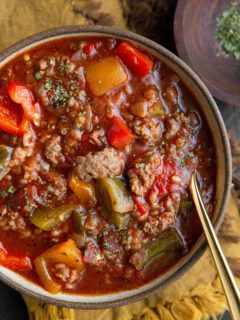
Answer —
100 132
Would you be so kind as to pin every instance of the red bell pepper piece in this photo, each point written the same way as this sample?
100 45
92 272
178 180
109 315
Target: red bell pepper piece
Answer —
12 118
119 135
142 207
15 263
89 49
138 62
23 96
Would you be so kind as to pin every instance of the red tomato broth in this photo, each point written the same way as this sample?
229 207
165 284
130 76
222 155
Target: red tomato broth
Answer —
199 153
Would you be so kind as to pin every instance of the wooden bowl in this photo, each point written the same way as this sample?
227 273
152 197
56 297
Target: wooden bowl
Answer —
197 45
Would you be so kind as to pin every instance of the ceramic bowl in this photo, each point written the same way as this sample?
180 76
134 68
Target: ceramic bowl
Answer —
223 183
197 44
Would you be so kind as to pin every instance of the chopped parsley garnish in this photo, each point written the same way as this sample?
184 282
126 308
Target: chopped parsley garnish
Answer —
48 84
191 155
107 245
59 94
141 166
228 26
3 194
62 67
12 190
39 75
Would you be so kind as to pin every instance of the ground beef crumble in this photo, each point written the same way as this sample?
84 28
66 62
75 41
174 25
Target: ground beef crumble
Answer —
156 225
147 130
58 182
105 163
142 173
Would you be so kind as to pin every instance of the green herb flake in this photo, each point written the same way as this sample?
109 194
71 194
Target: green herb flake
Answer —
48 84
39 75
228 30
141 166
191 155
3 194
107 245
62 67
12 190
60 96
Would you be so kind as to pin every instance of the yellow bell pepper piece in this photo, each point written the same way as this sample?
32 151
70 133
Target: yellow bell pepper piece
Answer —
67 253
105 74
42 269
84 190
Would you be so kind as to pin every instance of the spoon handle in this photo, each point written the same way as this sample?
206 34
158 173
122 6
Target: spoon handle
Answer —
226 276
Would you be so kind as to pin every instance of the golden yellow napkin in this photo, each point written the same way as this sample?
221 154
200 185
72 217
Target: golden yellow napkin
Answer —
198 294
22 18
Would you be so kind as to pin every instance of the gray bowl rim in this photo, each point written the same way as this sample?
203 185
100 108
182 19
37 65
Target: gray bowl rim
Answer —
49 35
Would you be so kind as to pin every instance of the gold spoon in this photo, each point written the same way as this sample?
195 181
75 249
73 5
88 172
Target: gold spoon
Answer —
229 284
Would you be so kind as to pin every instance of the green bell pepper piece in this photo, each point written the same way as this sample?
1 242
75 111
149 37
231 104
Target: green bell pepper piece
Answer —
49 218
116 199
114 195
5 155
79 218
168 242
120 219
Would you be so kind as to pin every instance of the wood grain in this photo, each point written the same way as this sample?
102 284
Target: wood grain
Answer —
197 45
